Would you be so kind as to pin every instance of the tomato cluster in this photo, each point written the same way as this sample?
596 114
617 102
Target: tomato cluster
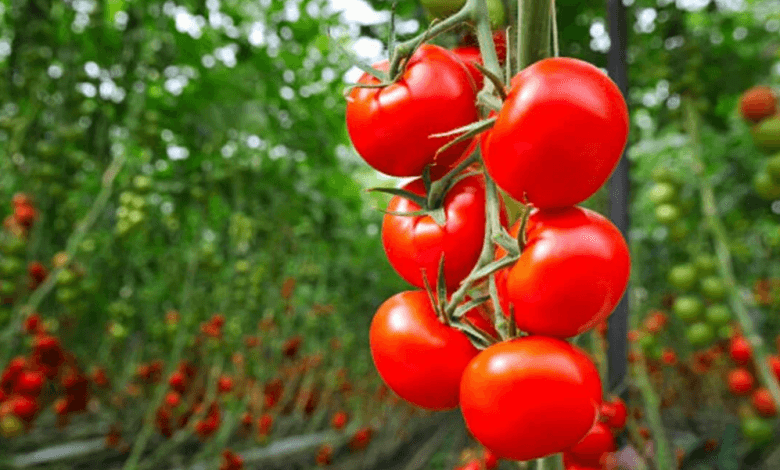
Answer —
758 107
524 391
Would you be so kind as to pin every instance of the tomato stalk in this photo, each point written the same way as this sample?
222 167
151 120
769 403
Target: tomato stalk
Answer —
725 266
533 40
552 462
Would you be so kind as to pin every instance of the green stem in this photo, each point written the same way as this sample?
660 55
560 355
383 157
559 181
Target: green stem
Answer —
551 462
533 39
725 265
405 48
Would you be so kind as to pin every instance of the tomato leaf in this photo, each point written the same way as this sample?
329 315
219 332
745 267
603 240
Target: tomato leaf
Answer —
463 308
415 198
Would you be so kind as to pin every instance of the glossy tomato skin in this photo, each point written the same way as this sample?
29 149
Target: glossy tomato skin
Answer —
530 397
416 243
419 358
390 126
559 135
572 273
469 55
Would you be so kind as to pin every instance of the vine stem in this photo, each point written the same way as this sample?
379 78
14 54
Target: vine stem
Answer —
725 265
534 22
551 462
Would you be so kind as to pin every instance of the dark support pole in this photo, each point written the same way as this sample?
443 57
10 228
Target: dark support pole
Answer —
617 354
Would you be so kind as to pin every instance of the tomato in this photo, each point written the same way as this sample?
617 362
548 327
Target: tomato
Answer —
469 55
687 308
758 430
530 397
700 334
740 381
766 134
572 273
419 358
559 135
757 103
593 447
614 413
415 244
662 193
763 403
682 276
718 315
390 127
765 186
773 168
667 213
706 264
774 364
740 350
713 288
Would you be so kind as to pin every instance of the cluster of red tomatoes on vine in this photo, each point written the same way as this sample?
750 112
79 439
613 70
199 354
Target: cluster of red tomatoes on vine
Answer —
490 336
758 107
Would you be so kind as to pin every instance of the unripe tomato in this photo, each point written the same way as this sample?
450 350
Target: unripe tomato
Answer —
662 193
688 308
530 397
420 358
766 134
667 213
757 103
593 447
700 334
706 264
559 135
718 315
765 186
390 127
682 276
740 350
713 288
414 244
757 430
773 168
575 264
763 403
740 381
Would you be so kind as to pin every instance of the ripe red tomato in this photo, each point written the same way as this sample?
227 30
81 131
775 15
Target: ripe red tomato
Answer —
571 275
419 358
415 244
468 55
740 382
530 397
740 350
559 135
757 103
593 447
614 413
763 402
390 127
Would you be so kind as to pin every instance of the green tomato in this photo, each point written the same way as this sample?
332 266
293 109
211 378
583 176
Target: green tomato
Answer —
679 230
713 288
647 342
667 213
718 315
757 430
11 267
700 334
725 332
706 263
766 134
664 174
773 168
687 308
683 276
662 193
66 295
65 277
765 186
13 245
7 288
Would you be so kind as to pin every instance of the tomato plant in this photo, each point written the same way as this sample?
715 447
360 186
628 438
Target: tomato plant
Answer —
572 273
530 397
391 126
559 135
420 358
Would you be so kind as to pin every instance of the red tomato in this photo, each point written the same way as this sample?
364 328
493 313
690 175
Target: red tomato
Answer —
572 273
468 55
774 363
614 413
415 244
763 402
740 350
593 447
390 127
740 382
530 397
559 135
419 358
